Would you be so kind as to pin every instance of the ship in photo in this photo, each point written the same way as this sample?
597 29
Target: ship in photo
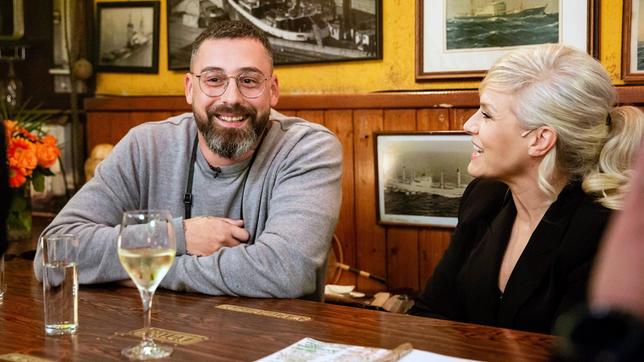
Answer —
297 20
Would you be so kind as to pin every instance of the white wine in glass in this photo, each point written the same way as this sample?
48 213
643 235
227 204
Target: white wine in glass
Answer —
146 248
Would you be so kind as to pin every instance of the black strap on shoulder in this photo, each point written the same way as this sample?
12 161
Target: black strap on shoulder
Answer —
187 197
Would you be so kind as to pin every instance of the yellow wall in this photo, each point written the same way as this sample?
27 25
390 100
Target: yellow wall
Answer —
394 72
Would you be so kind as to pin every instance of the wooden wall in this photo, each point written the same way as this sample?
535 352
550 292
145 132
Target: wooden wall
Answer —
406 256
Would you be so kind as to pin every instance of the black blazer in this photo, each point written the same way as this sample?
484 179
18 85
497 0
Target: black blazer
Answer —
550 277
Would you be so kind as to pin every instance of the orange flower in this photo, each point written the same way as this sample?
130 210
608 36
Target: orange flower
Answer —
8 127
27 135
47 151
27 151
16 177
50 140
22 155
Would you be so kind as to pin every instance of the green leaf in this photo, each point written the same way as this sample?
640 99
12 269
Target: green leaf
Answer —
46 171
32 119
38 179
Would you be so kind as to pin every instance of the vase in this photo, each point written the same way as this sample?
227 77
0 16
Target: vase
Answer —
19 218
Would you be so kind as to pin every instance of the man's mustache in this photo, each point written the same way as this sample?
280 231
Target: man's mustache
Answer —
231 108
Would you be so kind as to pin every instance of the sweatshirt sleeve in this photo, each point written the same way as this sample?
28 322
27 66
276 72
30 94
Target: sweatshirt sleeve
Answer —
95 212
300 219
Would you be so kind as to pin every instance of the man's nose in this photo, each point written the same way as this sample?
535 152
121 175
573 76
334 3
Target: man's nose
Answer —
232 93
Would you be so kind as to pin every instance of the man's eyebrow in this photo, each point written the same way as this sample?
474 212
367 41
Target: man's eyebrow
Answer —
251 69
210 69
240 70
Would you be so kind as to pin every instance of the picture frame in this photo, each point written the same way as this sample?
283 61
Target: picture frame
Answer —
632 51
450 43
127 37
12 20
295 38
421 176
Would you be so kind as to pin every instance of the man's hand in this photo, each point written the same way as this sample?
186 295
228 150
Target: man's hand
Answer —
207 234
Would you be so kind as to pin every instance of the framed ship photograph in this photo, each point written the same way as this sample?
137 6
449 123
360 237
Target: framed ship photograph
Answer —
127 37
463 38
300 31
633 41
421 176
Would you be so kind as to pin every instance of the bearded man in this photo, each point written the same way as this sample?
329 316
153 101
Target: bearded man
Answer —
255 195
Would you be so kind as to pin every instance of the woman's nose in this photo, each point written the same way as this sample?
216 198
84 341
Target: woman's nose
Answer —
471 126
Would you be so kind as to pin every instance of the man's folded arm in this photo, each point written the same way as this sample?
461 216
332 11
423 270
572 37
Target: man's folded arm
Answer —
282 262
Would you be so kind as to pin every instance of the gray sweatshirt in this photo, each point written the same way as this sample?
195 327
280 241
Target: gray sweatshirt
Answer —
291 201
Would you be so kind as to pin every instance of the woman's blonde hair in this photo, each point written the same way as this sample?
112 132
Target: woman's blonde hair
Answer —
569 91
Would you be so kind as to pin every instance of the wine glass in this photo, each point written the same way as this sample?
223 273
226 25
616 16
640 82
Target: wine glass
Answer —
146 248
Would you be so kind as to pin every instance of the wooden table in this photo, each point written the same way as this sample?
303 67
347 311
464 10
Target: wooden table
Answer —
107 312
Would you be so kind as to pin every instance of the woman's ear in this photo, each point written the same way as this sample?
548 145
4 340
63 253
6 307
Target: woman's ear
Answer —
545 139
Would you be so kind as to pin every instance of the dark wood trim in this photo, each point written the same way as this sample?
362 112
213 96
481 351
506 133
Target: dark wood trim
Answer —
440 99
136 103
593 28
433 99
633 95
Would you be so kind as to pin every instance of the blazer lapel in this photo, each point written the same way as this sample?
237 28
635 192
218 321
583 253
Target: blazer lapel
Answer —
534 262
478 279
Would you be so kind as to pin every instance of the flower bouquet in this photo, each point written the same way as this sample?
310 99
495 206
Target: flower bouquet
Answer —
30 154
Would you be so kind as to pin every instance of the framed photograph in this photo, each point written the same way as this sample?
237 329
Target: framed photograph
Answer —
633 41
421 177
128 37
309 31
463 38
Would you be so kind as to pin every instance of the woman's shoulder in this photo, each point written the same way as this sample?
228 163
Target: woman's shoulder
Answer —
483 197
492 188
584 206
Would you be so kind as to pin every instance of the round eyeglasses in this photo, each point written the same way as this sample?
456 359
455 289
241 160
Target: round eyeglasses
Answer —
214 84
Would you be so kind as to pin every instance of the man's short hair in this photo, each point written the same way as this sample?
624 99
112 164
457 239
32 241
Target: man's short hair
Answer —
231 30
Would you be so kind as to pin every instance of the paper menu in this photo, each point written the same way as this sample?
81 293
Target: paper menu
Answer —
309 349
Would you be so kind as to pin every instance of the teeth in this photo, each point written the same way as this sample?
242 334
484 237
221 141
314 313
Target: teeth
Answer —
477 149
231 118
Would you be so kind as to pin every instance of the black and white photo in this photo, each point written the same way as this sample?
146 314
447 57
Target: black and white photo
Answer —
128 37
300 31
633 41
463 38
421 176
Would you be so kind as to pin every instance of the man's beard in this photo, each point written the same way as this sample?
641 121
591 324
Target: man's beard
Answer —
231 143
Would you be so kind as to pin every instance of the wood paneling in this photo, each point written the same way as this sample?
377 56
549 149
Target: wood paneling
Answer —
459 116
406 256
402 242
431 245
340 122
370 242
312 116
432 120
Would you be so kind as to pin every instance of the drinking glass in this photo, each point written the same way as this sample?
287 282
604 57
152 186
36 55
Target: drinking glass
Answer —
60 283
146 248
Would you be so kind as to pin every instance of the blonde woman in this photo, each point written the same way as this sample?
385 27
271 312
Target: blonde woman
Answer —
552 156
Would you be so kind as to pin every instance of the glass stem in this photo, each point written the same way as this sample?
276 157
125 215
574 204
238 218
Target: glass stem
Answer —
146 297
